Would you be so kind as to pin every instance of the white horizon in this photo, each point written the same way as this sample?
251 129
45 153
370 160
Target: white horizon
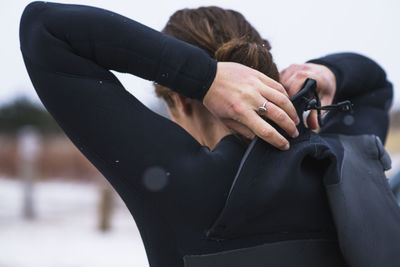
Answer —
297 30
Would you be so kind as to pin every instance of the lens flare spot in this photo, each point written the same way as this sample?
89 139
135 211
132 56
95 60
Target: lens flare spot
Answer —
155 178
348 120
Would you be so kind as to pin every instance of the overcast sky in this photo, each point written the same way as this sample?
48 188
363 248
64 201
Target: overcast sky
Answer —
297 30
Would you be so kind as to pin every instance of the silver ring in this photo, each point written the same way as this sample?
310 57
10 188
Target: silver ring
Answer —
263 107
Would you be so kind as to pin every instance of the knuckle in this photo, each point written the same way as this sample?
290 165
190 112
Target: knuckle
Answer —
280 87
301 74
248 94
253 82
282 101
281 116
237 108
304 67
266 133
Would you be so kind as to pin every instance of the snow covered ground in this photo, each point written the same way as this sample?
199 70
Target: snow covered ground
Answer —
64 232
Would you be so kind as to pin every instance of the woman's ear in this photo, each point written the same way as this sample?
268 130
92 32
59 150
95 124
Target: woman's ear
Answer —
183 104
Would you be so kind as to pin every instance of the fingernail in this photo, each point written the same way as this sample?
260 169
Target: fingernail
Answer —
297 120
296 134
286 147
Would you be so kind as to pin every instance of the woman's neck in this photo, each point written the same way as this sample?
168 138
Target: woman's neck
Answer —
204 127
211 132
201 124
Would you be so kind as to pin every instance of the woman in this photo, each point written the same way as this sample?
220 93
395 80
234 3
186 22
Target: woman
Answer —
175 178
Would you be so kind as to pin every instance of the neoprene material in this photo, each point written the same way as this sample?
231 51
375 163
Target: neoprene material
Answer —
365 210
310 253
352 169
175 188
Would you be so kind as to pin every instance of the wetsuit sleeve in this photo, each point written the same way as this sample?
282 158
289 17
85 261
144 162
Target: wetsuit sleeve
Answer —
114 42
68 51
364 82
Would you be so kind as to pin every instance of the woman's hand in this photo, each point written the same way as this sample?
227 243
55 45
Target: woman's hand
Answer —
294 77
235 96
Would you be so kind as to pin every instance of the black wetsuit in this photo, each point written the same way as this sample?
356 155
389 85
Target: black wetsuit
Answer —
173 186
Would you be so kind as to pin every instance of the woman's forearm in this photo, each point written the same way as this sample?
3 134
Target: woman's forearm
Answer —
364 82
356 75
115 42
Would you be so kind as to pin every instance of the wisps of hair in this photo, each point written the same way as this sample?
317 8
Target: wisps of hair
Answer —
225 35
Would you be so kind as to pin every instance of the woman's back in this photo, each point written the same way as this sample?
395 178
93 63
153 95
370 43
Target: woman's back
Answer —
174 187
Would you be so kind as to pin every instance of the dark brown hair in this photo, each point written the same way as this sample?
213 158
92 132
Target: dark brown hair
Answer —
225 35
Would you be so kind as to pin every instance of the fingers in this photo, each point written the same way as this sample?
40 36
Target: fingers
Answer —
237 92
294 77
312 120
239 128
281 101
285 74
279 109
265 131
281 118
295 82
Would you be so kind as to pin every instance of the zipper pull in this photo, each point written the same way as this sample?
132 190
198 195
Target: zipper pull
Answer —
342 106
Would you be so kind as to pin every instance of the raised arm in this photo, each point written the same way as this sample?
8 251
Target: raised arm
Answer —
68 51
364 82
114 42
59 37
346 76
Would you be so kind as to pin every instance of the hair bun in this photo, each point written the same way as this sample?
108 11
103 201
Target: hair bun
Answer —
254 55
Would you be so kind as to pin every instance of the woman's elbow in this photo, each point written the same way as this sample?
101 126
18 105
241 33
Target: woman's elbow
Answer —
31 26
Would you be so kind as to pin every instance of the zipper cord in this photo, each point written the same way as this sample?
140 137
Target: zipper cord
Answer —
315 103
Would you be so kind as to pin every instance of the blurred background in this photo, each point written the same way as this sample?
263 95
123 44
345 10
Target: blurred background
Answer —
56 209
